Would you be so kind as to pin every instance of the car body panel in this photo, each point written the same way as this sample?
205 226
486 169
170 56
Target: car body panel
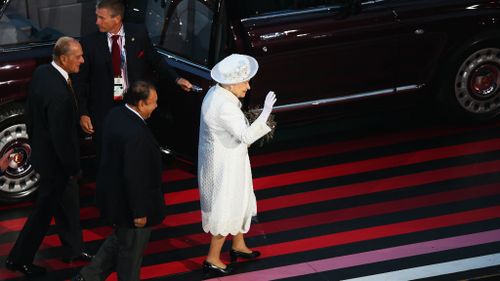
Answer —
322 56
432 31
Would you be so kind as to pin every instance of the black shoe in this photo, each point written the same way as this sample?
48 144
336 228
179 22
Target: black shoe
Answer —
81 257
29 270
209 268
237 254
79 277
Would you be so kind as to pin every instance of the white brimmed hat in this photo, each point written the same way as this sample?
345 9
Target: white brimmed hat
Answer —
234 69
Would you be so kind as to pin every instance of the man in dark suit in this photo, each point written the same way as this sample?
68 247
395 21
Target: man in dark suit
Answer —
115 56
51 112
129 186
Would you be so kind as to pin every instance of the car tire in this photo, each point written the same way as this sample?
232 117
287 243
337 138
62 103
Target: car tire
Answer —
471 88
20 179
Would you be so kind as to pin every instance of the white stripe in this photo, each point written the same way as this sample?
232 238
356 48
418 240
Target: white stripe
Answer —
434 269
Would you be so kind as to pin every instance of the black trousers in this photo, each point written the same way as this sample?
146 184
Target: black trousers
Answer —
122 252
58 198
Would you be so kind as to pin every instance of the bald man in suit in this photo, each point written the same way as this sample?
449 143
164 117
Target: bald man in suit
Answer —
129 186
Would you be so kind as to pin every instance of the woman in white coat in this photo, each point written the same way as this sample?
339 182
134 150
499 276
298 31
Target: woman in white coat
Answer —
224 174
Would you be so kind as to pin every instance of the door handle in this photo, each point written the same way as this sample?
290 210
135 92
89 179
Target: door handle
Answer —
270 36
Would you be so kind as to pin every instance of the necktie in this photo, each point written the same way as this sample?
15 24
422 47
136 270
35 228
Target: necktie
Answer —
70 85
115 56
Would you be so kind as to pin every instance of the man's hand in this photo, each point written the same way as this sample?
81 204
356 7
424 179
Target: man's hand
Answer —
140 222
184 84
5 160
86 124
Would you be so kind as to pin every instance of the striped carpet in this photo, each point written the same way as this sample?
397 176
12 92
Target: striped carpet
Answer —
400 203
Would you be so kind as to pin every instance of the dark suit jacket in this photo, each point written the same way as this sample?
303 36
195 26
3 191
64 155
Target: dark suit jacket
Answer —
51 121
129 179
94 82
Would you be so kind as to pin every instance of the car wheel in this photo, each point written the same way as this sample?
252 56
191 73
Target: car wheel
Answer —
475 85
19 180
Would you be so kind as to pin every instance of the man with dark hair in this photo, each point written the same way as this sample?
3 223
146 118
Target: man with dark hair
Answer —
128 187
51 120
115 56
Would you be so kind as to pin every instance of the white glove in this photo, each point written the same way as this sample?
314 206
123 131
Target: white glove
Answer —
268 106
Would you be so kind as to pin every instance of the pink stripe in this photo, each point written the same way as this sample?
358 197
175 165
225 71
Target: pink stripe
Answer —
368 257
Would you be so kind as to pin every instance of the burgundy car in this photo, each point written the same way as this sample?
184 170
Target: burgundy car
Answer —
323 58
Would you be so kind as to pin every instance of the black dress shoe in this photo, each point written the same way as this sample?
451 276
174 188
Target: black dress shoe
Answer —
209 268
237 254
81 257
29 270
79 277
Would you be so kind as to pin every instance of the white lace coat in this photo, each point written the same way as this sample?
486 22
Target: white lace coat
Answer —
224 174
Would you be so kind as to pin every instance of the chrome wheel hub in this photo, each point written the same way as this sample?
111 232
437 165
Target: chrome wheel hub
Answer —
477 84
19 179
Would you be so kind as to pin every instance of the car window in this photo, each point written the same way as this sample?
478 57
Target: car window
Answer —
183 29
38 21
252 8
